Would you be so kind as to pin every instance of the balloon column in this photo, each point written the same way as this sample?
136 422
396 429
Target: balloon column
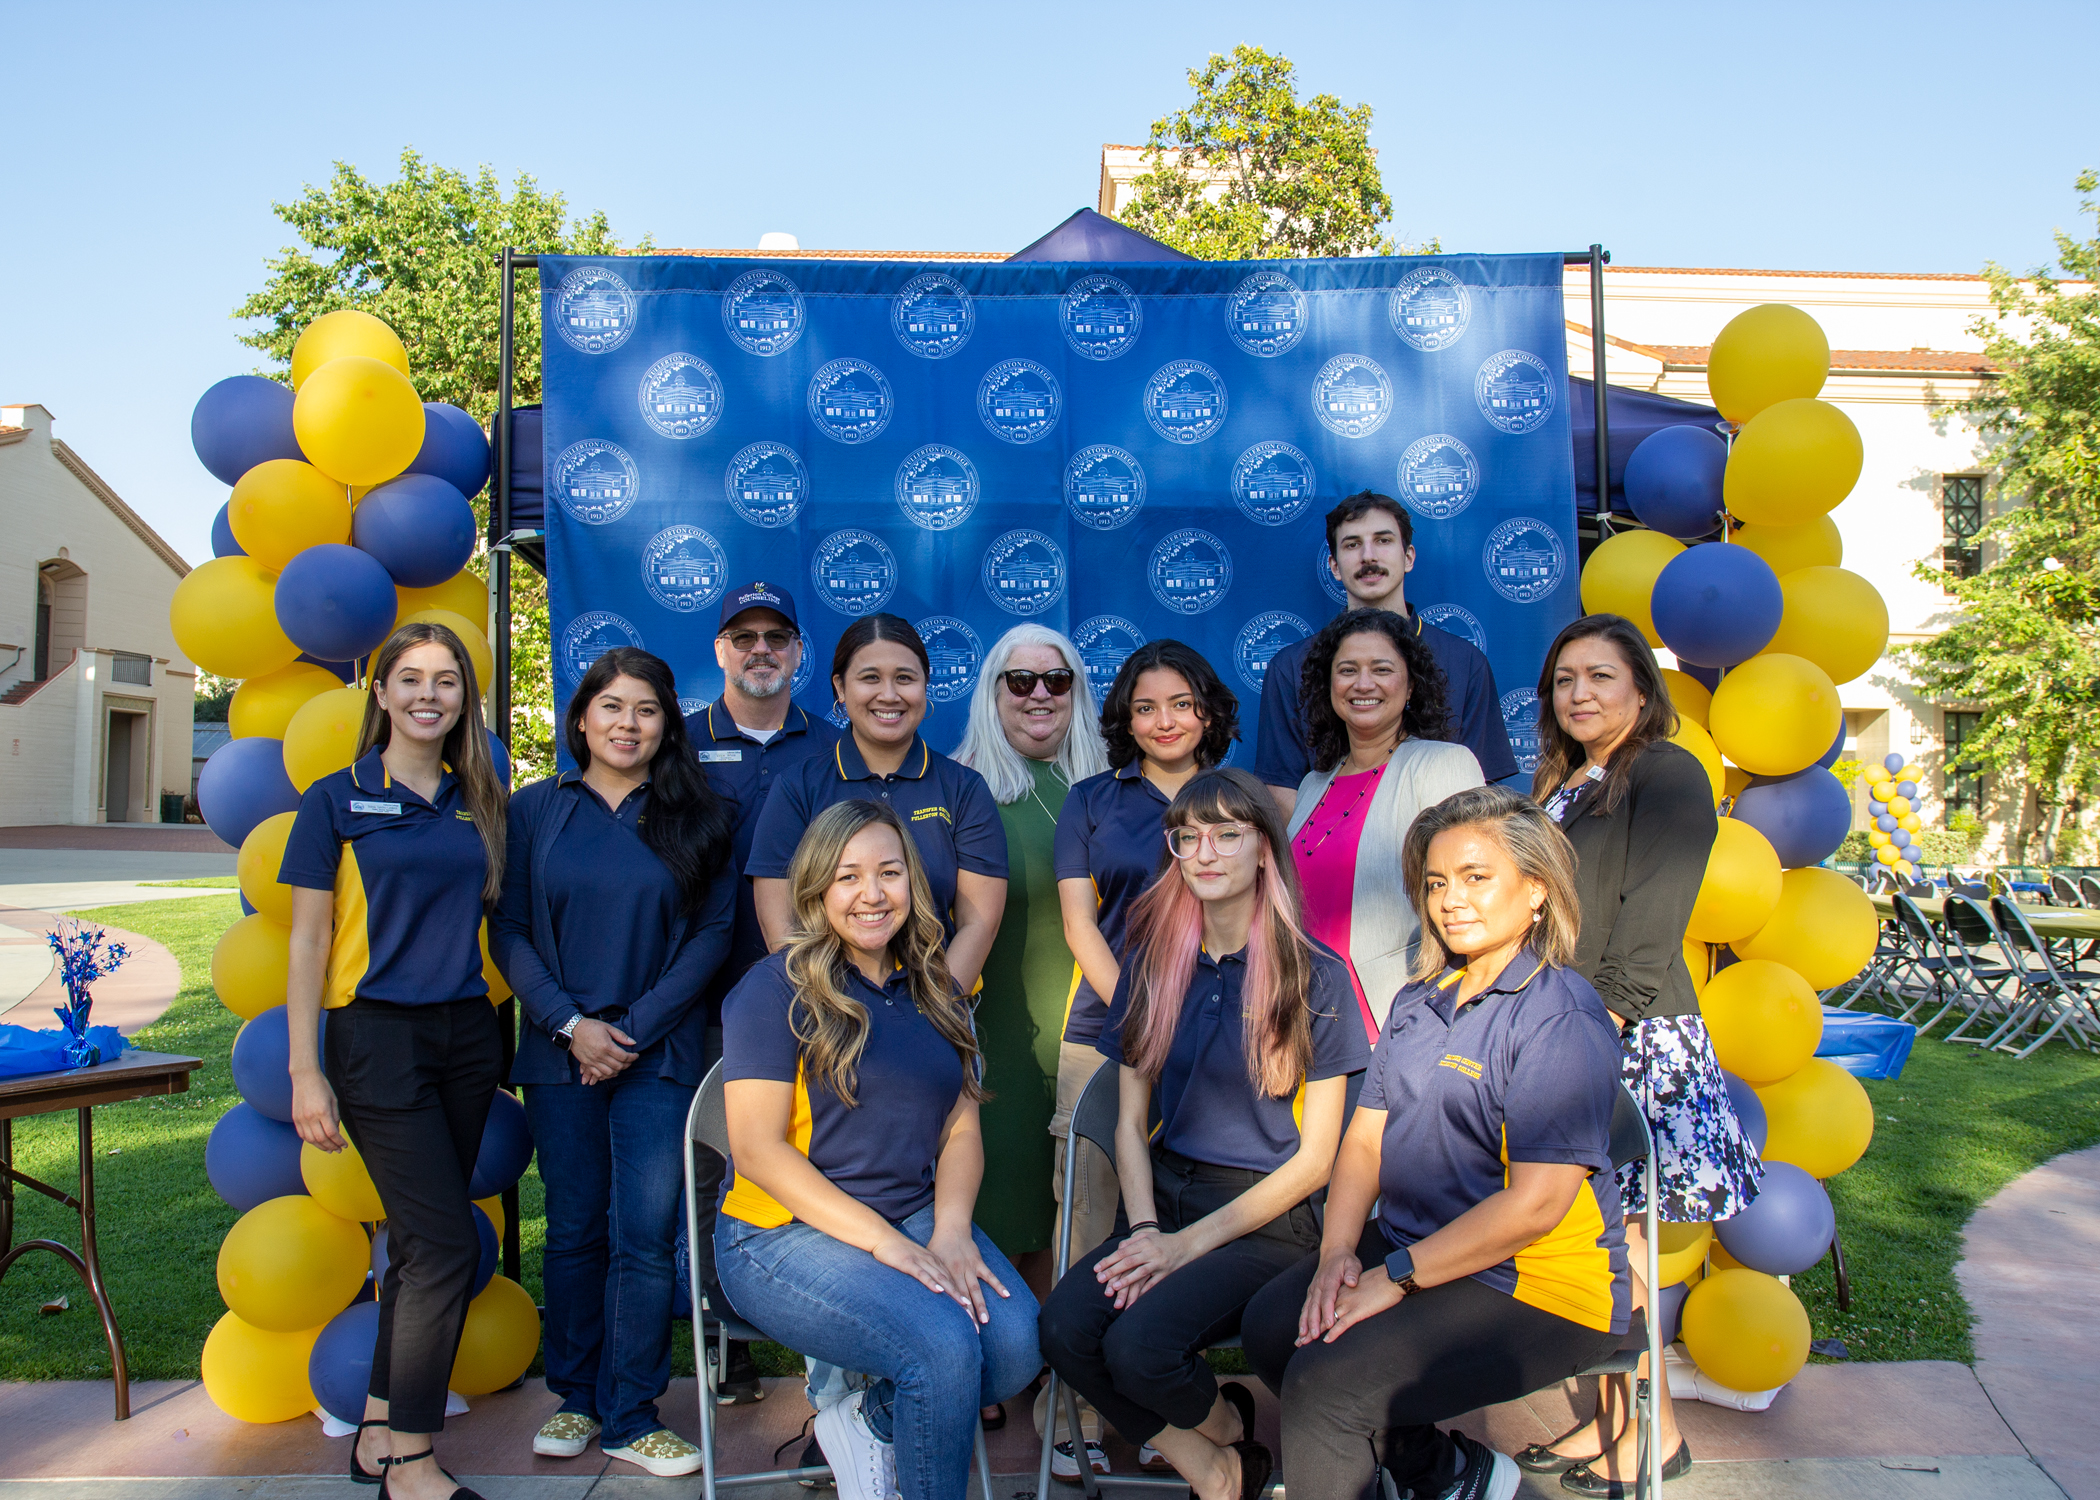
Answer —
1738 576
1895 792
349 514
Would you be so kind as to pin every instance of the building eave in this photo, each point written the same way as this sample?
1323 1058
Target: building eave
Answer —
109 497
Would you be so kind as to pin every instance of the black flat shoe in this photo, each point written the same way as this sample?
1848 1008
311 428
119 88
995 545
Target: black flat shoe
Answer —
1242 1402
459 1491
996 1420
1583 1480
357 1470
1540 1458
1255 1468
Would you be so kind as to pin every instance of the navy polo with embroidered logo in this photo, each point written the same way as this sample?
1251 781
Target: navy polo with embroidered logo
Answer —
1282 758
740 768
1527 1071
1209 1108
1112 831
947 807
882 1150
407 877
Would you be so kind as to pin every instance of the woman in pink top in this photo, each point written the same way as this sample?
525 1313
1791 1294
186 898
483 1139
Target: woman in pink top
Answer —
1376 720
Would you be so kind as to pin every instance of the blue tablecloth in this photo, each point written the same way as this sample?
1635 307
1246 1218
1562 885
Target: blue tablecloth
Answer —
23 1051
1866 1045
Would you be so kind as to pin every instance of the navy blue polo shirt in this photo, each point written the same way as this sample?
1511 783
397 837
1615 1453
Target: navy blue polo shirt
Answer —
947 807
1527 1071
407 877
1209 1107
883 1149
739 767
1111 831
1281 758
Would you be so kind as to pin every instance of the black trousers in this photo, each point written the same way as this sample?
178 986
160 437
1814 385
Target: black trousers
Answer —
413 1084
1143 1368
1374 1395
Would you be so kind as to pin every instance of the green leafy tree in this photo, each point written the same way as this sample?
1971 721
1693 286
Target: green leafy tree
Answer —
421 253
1248 172
2024 646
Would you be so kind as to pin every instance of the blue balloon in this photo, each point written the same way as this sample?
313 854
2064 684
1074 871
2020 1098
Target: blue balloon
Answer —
340 1367
1907 789
336 602
1787 1227
243 783
420 528
1805 815
454 450
347 670
1892 763
251 1158
1749 1109
1673 481
242 421
262 1056
484 1270
1670 1308
1876 807
247 908
1707 677
222 542
1886 822
1837 746
506 1148
1717 604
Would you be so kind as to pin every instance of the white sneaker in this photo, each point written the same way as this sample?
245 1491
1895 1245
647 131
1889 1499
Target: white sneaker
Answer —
1153 1461
662 1452
1066 1468
863 1466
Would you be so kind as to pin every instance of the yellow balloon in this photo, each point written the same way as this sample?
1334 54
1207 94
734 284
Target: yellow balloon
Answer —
224 618
1734 781
1876 839
337 334
282 506
1789 549
1688 695
1905 868
339 1182
1899 805
261 857
1619 578
1678 1251
1823 928
462 593
1886 854
1833 618
1690 736
493 1207
249 966
322 736
1766 355
1741 886
1791 463
254 1375
358 421
263 706
1819 1118
1764 1020
290 1264
1910 822
499 1341
1776 714
1745 1330
483 660
1699 962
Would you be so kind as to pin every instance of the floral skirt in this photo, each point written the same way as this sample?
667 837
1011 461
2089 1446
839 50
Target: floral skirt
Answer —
1706 1167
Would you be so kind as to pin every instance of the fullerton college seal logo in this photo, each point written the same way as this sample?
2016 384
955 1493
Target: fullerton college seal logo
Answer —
1323 565
1105 643
593 310
1019 400
937 487
1259 641
683 568
953 655
595 481
1185 401
1430 308
1101 317
932 316
588 637
1266 314
762 313
1524 560
1272 483
1352 396
767 484
681 396
1104 486
1439 476
1455 620
850 401
1024 572
1190 571
1520 720
1515 391
854 571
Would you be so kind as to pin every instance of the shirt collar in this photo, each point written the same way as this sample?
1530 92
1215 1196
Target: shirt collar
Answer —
851 767
1204 959
796 722
1132 772
1517 973
368 773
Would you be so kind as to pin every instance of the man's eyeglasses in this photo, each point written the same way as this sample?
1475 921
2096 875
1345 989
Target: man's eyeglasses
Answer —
747 640
1226 838
1021 684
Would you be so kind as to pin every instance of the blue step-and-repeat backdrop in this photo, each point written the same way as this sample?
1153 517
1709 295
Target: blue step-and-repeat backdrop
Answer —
1122 452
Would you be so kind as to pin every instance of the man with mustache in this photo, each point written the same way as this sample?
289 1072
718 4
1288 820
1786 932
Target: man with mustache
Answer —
1370 551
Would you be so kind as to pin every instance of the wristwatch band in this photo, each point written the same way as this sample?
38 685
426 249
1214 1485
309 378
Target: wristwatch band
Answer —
567 1035
1400 1266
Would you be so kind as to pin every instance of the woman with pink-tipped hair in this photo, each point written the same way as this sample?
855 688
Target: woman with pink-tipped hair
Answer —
1244 1031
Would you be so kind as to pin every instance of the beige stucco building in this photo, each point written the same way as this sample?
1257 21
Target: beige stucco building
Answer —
95 699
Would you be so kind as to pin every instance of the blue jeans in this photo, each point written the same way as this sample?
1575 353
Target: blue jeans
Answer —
609 1155
934 1366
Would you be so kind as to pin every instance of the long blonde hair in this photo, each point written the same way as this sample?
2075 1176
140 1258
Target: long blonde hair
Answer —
466 743
1534 844
831 1025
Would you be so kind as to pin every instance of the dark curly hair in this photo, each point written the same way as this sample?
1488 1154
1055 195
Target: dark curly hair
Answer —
1220 710
1427 715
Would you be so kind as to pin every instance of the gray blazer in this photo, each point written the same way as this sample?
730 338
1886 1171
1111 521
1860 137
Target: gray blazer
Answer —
1382 924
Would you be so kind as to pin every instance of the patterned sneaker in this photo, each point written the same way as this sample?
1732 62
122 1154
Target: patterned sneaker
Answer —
1065 1468
566 1435
662 1452
862 1465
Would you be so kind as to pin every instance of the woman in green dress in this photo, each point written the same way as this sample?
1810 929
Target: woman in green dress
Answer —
1033 731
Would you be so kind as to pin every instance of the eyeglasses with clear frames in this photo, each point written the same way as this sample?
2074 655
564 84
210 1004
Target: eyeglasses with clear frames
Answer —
1225 838
747 640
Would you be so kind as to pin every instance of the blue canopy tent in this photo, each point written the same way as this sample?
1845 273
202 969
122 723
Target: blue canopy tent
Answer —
1089 236
1632 416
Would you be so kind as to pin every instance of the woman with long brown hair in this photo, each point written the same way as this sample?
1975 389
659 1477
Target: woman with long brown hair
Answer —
852 1086
393 864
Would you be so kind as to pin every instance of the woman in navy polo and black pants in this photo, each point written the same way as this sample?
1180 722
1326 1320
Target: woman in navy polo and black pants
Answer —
392 864
617 909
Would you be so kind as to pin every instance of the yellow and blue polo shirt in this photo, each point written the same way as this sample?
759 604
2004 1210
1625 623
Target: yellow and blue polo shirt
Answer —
1526 1071
883 1150
407 877
1111 831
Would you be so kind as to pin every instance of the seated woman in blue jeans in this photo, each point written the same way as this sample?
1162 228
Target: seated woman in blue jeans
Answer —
851 1075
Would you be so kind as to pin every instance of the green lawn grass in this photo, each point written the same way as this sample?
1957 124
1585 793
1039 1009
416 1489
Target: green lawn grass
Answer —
215 882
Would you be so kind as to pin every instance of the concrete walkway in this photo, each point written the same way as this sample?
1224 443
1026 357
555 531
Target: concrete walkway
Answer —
136 995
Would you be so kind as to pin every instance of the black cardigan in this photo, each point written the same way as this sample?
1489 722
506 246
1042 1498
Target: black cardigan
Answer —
1638 869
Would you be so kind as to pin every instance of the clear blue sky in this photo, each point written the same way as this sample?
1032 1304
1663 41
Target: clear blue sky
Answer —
147 144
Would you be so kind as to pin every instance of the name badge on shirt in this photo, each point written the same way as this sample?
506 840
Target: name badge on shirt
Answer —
719 757
376 807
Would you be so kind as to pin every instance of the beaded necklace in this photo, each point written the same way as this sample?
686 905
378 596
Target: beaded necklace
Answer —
1370 779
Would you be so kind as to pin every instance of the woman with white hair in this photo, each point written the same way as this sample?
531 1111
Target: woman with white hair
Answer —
1033 732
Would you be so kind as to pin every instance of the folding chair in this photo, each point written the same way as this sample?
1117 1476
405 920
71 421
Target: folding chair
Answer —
2063 996
707 1126
1966 931
1924 956
2089 892
2063 893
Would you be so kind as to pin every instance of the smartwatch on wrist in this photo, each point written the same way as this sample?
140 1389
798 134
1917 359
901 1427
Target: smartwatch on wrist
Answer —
1400 1266
566 1036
